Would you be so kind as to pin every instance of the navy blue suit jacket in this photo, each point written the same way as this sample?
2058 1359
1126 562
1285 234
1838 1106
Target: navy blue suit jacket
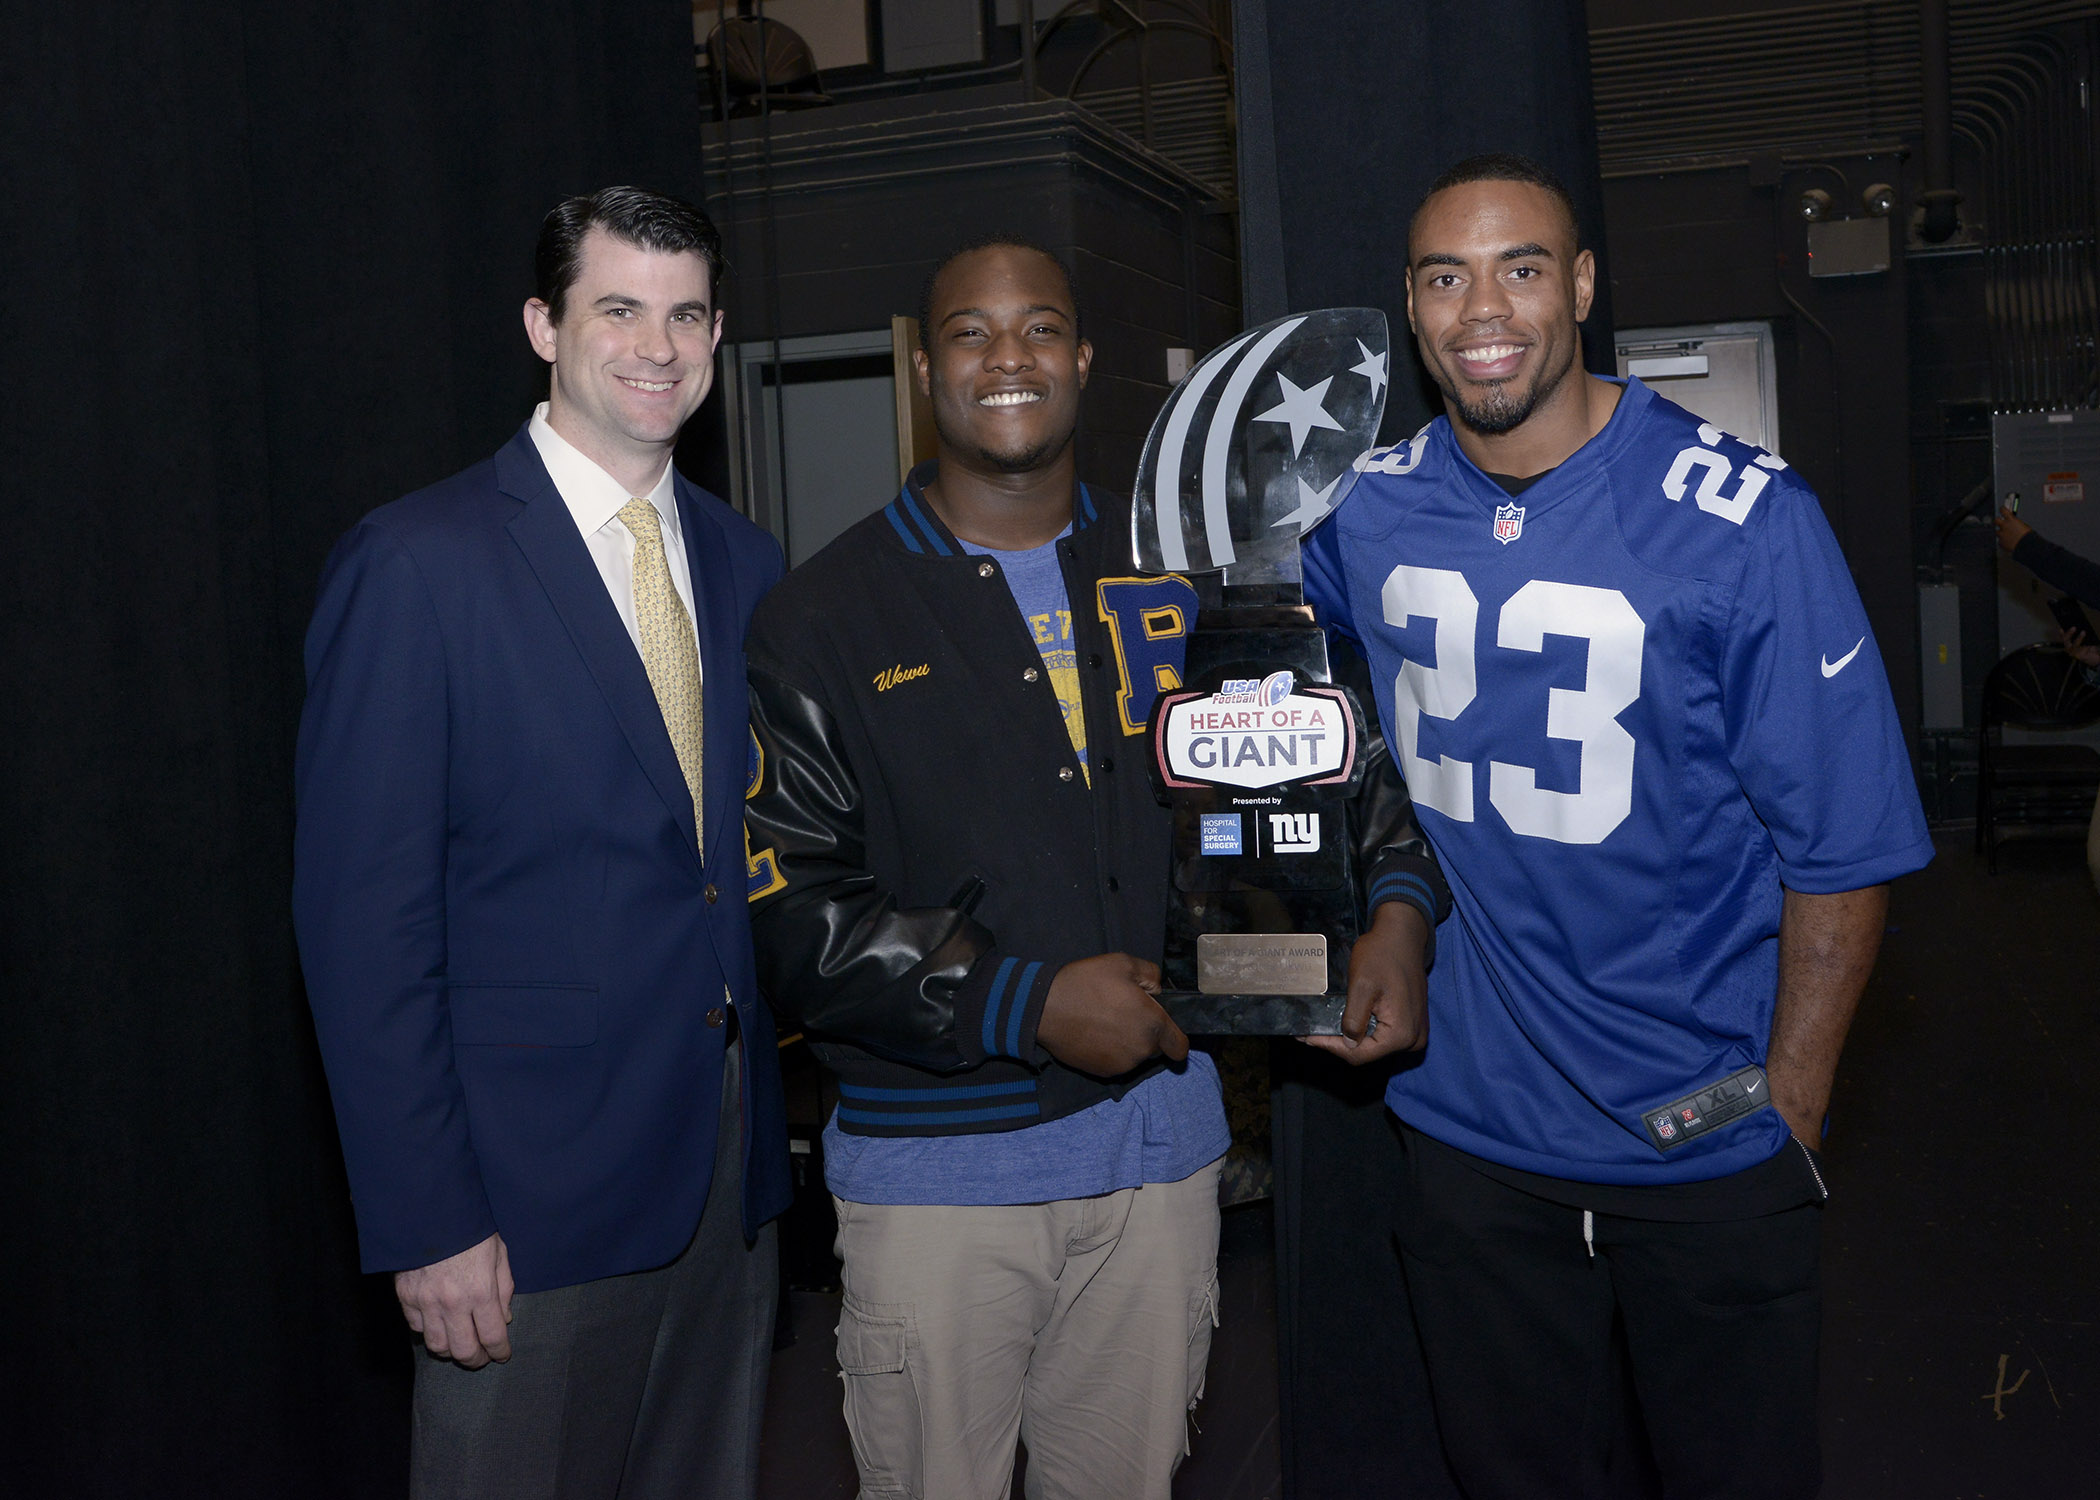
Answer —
510 936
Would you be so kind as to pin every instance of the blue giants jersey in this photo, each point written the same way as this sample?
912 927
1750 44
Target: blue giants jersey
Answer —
1631 703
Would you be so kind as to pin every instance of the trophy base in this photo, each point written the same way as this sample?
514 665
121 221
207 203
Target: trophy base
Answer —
1199 1014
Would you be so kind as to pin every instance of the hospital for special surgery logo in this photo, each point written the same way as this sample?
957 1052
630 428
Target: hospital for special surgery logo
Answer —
1221 833
1262 692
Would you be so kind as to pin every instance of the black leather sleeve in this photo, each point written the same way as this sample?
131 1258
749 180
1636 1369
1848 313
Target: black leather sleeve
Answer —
1392 853
836 954
2060 568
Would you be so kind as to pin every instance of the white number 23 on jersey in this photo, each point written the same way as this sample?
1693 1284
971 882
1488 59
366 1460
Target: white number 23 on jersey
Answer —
1588 715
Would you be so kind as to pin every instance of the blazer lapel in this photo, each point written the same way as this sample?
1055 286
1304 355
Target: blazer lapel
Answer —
726 755
546 533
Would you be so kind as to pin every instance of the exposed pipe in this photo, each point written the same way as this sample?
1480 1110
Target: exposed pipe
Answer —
1940 200
1962 509
1028 51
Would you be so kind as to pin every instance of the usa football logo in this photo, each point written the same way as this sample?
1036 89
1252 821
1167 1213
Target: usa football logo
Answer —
1509 523
1275 688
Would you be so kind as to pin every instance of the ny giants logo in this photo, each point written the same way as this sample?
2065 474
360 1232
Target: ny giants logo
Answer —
1294 833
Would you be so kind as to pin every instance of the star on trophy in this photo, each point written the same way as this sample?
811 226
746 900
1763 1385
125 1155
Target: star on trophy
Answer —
1257 751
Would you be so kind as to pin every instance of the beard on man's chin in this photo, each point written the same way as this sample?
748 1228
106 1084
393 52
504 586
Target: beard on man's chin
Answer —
1501 410
1021 460
1006 461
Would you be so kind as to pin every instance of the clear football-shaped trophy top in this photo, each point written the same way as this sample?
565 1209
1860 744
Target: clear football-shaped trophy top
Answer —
1258 445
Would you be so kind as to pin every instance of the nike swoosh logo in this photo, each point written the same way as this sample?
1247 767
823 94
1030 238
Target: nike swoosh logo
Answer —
1832 668
1751 1087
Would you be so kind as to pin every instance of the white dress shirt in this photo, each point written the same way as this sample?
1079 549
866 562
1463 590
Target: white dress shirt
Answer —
594 499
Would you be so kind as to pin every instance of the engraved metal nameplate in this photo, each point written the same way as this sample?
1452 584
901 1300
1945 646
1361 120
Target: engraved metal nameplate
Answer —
1261 963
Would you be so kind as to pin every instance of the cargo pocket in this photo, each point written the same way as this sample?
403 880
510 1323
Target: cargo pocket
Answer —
881 1401
1203 1318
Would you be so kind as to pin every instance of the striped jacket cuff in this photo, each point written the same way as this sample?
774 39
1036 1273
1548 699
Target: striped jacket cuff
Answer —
868 1110
997 1012
1417 882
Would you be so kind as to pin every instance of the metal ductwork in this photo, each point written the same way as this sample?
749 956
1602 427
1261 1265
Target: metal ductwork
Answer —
1799 81
2028 124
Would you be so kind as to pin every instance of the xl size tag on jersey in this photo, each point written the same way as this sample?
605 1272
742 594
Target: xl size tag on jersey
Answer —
1710 1108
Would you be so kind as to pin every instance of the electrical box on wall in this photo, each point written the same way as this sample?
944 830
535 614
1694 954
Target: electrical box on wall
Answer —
1848 247
1939 658
1723 372
2052 459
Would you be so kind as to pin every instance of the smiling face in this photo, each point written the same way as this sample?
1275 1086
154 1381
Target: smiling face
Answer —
633 354
1495 290
1004 362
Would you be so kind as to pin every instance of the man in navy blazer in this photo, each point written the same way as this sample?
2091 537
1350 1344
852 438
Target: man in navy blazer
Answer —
525 944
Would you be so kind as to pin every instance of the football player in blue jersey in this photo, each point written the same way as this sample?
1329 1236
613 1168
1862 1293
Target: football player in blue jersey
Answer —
1637 700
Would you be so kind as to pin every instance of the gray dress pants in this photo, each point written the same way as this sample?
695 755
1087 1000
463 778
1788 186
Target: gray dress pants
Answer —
648 1386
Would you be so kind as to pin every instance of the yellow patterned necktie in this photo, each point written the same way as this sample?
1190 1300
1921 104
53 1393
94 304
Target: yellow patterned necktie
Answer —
668 650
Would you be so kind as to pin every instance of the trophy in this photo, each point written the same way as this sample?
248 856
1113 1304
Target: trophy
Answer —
1257 751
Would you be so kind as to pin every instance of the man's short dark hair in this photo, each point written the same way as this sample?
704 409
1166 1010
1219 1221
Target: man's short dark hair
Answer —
1503 166
992 242
653 221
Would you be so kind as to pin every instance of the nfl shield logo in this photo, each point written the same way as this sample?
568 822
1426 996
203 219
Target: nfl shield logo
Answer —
1664 1128
1509 522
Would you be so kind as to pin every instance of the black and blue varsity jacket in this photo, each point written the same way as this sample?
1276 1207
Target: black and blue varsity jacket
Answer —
926 850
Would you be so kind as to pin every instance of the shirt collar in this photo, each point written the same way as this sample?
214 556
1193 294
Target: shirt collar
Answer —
593 496
919 526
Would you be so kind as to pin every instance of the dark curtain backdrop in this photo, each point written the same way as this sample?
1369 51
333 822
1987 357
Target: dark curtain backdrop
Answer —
1348 110
1355 106
260 270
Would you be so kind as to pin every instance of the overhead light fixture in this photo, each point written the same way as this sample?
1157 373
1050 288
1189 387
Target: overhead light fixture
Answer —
1815 205
1877 200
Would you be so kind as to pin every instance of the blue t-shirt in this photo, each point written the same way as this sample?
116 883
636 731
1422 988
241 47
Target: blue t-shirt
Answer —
1631 703
1167 1127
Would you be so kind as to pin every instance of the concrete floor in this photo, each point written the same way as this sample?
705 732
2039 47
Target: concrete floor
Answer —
1960 1357
1963 1237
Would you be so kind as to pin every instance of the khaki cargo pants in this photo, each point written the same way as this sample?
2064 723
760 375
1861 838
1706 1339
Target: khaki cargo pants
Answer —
1081 1327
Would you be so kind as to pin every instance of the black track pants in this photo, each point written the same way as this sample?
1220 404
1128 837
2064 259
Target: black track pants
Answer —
1521 1329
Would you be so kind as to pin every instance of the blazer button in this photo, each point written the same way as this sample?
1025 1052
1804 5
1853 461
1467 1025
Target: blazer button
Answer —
1108 762
985 570
1114 884
1030 675
716 1016
1093 658
711 893
1064 773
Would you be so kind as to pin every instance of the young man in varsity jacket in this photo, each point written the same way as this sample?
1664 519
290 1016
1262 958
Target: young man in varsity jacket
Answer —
959 887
